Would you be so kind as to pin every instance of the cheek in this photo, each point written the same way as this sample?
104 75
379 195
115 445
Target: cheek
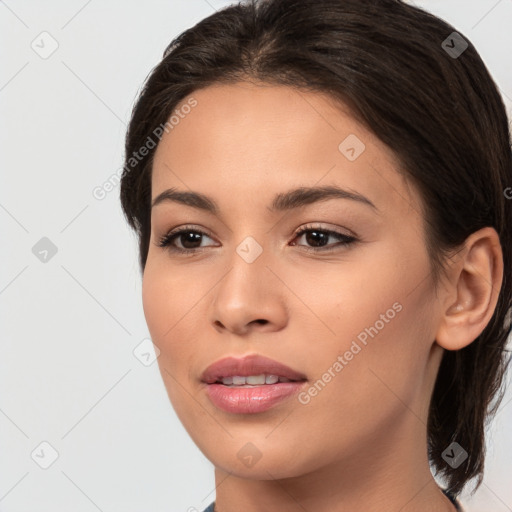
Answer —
378 317
170 322
155 302
168 301
168 297
379 378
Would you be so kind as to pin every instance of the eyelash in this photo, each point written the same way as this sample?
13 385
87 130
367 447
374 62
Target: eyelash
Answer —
167 239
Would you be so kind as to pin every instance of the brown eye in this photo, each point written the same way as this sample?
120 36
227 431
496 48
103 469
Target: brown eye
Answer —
189 238
318 239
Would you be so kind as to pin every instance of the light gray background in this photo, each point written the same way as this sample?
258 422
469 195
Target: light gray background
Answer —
68 374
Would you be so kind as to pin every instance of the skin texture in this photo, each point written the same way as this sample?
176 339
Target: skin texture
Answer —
360 443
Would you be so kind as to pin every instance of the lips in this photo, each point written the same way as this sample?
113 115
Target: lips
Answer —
249 366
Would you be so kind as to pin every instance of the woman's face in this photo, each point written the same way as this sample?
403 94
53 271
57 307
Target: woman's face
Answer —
357 320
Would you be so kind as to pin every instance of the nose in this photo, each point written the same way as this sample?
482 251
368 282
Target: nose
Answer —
249 297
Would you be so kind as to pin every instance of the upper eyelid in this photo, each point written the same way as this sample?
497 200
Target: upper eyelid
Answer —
181 229
297 232
305 227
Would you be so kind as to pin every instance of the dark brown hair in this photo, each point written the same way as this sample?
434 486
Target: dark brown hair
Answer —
424 92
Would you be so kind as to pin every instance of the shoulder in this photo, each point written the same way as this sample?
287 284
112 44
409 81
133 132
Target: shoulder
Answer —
210 507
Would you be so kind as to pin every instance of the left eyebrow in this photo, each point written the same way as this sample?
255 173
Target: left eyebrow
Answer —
303 196
283 201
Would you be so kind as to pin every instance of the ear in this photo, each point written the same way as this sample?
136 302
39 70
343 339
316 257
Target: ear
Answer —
475 280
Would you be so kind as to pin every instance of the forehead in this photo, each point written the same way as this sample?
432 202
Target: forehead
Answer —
243 141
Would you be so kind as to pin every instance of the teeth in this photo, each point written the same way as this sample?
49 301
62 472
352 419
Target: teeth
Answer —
253 380
271 379
238 381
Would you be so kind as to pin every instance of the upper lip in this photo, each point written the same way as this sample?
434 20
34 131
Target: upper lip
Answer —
249 365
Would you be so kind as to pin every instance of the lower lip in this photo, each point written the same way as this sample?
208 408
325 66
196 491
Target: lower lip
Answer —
249 400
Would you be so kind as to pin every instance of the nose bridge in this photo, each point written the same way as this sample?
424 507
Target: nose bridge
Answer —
250 249
248 264
250 234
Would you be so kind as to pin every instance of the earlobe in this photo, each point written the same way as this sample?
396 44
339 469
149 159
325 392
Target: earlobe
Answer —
473 290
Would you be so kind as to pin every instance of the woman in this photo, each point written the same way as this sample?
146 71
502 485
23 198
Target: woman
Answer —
319 191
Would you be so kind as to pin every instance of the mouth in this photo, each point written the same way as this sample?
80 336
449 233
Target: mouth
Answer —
251 370
253 384
251 381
